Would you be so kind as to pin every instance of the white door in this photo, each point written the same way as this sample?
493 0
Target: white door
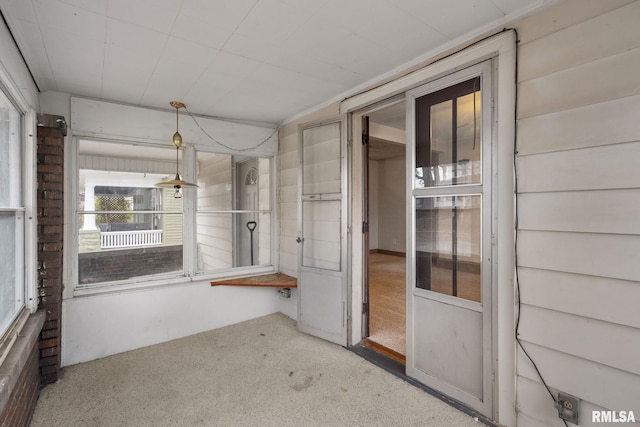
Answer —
449 282
322 232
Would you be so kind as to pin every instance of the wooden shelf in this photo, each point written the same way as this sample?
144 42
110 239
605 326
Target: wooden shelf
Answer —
277 280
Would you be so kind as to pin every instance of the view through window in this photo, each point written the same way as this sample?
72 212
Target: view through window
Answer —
130 230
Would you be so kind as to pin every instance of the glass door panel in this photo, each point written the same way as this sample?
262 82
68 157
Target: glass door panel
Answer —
321 159
321 234
448 150
447 250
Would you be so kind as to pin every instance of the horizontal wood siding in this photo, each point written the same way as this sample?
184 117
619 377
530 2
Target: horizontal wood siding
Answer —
215 231
288 199
578 152
264 203
122 164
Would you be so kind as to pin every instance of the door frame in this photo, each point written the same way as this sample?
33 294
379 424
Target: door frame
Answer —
501 49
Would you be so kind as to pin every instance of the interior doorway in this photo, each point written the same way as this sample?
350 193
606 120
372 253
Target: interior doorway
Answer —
384 160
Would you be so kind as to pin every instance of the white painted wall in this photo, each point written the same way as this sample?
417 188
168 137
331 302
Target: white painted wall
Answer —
579 197
117 121
101 325
374 203
392 204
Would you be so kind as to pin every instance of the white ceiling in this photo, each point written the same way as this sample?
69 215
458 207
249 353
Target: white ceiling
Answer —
258 60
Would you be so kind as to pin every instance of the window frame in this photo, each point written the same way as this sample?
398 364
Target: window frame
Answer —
26 246
190 273
240 270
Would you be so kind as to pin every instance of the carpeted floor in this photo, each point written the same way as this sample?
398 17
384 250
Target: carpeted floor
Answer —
257 373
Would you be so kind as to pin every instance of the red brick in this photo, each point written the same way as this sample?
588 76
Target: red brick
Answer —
52 247
49 343
51 325
49 168
45 203
48 334
53 159
52 177
49 361
55 212
47 352
52 229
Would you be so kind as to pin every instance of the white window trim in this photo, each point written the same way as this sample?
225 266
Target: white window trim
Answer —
502 49
190 274
30 236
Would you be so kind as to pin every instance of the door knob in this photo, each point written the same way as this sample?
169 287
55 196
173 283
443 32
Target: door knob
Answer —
299 240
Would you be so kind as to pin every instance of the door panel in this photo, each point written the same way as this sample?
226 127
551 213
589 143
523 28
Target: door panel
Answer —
321 232
449 286
455 361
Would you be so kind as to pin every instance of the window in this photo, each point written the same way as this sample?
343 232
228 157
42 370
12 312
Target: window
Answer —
12 214
233 212
131 231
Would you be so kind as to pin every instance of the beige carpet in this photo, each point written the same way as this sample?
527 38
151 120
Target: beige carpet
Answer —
257 373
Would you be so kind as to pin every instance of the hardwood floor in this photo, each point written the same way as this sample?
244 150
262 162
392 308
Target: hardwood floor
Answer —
387 297
387 301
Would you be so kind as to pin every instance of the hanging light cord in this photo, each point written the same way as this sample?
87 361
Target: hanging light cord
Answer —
475 124
223 144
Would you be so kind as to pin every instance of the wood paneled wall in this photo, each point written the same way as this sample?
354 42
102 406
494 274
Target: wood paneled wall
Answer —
578 202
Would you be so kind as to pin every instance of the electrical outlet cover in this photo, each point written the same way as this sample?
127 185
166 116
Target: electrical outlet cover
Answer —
568 407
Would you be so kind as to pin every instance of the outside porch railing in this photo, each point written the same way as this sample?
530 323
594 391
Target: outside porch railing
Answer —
125 239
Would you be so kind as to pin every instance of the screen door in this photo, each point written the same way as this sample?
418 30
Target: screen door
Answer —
449 286
322 232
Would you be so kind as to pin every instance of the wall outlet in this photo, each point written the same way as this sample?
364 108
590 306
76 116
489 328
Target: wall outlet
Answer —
285 292
568 407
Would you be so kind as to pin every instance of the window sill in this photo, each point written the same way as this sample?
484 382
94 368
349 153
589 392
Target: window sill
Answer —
17 356
274 280
173 281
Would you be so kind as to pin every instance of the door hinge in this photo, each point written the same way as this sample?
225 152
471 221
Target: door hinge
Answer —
365 130
365 308
365 227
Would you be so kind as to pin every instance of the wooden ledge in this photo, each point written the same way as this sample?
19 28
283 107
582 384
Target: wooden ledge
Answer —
277 280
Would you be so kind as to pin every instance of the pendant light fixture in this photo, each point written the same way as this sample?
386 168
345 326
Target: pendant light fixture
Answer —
177 182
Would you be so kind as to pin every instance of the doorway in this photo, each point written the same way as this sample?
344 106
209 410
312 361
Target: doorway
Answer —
384 157
459 204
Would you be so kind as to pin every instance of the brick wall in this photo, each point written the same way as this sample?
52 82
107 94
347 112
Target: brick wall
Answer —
50 153
22 401
122 264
